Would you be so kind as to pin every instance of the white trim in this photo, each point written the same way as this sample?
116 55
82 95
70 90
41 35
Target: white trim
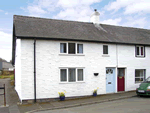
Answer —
67 48
61 54
105 55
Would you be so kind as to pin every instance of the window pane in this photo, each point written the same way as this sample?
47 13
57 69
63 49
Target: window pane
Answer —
72 74
63 76
80 48
62 47
138 79
71 48
141 50
121 72
105 49
80 74
137 73
137 51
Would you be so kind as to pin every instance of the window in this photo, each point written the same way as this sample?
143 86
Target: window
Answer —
105 49
80 48
71 48
139 75
140 51
80 75
63 76
63 48
73 75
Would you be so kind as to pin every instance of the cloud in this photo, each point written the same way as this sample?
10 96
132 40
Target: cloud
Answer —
130 6
5 45
70 10
115 21
34 10
6 13
135 22
1 10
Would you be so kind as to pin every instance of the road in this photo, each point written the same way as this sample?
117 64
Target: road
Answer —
130 105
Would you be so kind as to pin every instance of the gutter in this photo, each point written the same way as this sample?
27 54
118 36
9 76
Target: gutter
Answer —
35 70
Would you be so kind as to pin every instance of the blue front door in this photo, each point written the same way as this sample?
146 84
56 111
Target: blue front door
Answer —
110 80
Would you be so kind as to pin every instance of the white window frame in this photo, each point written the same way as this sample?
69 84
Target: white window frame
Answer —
140 51
67 68
144 75
76 48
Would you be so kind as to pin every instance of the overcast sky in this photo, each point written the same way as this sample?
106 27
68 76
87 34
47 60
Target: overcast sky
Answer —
132 13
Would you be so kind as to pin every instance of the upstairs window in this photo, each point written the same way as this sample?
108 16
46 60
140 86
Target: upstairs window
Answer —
71 48
140 51
105 49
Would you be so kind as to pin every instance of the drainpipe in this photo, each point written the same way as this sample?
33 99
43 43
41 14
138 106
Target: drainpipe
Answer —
116 56
35 70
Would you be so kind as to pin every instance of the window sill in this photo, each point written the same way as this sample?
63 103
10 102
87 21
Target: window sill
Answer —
138 82
71 82
140 56
71 54
105 55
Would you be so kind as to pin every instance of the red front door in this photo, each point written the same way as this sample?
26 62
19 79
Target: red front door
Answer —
121 79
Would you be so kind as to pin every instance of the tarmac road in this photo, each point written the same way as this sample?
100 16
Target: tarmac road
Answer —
130 105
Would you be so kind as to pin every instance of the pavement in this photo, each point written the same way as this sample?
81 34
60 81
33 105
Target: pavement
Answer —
31 108
129 105
12 100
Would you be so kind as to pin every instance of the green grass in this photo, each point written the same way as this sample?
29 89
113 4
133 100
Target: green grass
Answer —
5 76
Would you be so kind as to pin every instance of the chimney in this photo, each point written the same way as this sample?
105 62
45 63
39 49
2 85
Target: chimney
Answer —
95 17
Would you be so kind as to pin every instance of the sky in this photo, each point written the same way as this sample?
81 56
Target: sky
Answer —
130 13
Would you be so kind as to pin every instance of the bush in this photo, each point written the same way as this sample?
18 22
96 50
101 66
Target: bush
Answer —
12 78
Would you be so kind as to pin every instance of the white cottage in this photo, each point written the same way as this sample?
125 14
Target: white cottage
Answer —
52 55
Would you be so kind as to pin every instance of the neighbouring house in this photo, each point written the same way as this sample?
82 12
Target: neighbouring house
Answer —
52 55
5 66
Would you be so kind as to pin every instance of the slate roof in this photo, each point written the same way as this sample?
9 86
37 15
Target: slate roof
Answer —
7 65
61 29
42 28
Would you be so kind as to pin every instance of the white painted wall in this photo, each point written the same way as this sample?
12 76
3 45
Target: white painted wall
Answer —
18 68
48 62
126 58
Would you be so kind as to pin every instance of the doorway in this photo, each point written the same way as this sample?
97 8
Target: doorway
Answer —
110 80
121 79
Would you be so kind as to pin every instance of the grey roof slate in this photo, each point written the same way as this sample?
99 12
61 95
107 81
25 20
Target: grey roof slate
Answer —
60 29
7 65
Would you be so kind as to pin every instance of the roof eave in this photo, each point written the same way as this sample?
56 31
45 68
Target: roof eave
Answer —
64 39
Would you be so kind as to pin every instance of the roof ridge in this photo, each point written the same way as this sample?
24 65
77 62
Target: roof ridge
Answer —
124 26
50 19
